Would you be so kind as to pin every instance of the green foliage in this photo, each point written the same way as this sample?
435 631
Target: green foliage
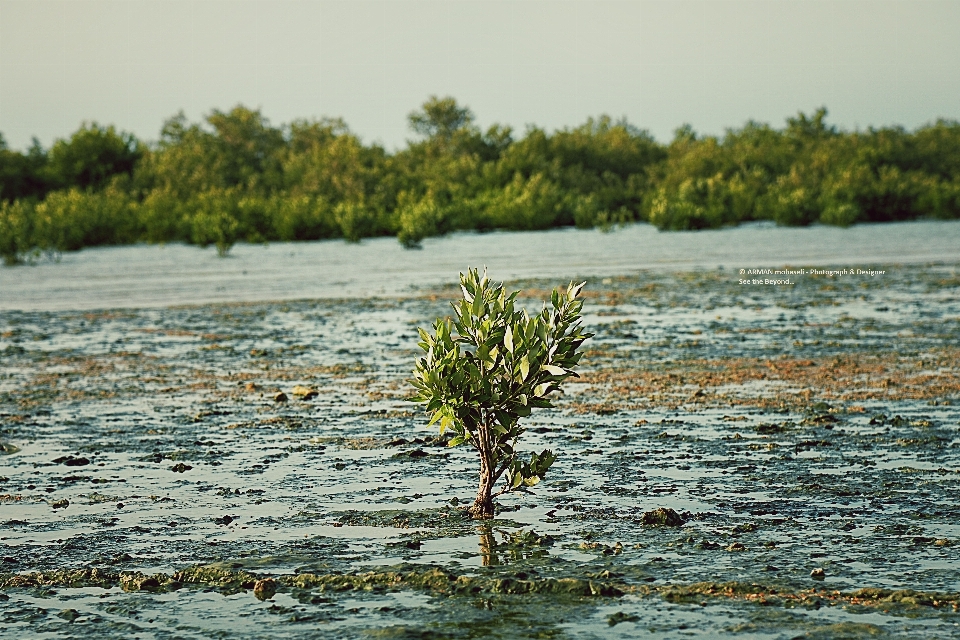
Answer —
22 175
523 204
418 219
491 365
91 157
356 220
214 218
300 217
70 219
16 231
234 177
807 173
440 117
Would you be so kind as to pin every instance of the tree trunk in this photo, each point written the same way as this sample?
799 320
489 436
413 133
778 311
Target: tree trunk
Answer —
482 508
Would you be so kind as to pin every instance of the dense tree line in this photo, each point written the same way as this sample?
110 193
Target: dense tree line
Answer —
235 177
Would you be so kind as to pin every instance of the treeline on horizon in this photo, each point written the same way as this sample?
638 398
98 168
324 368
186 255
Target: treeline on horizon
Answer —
234 177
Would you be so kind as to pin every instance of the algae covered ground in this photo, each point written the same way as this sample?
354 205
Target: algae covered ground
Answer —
742 460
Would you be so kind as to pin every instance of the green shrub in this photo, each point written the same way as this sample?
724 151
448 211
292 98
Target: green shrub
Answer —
355 219
302 217
418 219
700 203
789 203
72 219
214 219
840 214
164 217
940 199
525 204
16 231
489 367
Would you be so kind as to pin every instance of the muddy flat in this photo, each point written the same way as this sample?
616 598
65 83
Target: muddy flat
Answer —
737 460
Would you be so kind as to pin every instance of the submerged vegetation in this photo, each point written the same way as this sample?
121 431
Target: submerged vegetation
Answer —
235 177
490 367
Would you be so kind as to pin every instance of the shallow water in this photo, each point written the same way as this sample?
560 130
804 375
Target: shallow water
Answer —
148 276
794 428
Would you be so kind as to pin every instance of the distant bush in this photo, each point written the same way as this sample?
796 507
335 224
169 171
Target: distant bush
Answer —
806 173
16 231
236 178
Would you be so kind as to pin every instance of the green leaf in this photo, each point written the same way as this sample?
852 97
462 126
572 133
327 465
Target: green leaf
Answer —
574 290
540 463
477 305
445 422
503 418
524 367
553 370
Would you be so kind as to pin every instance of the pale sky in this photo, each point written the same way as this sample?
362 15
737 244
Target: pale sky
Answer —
661 63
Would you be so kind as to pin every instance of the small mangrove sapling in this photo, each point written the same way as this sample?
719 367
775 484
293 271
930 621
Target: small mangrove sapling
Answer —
491 365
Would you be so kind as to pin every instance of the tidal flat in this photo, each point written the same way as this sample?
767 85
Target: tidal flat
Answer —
245 470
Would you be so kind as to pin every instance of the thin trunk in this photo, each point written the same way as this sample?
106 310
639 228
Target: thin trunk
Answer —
482 508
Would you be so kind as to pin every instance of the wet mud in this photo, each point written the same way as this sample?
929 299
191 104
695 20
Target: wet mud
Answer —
762 462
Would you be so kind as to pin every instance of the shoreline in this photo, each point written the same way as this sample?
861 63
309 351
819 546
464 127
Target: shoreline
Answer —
156 276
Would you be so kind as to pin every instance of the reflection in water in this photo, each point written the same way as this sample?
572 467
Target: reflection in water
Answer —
488 545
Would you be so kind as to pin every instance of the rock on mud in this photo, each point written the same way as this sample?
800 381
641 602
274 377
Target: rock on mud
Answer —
416 454
265 589
620 616
69 614
662 517
305 393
